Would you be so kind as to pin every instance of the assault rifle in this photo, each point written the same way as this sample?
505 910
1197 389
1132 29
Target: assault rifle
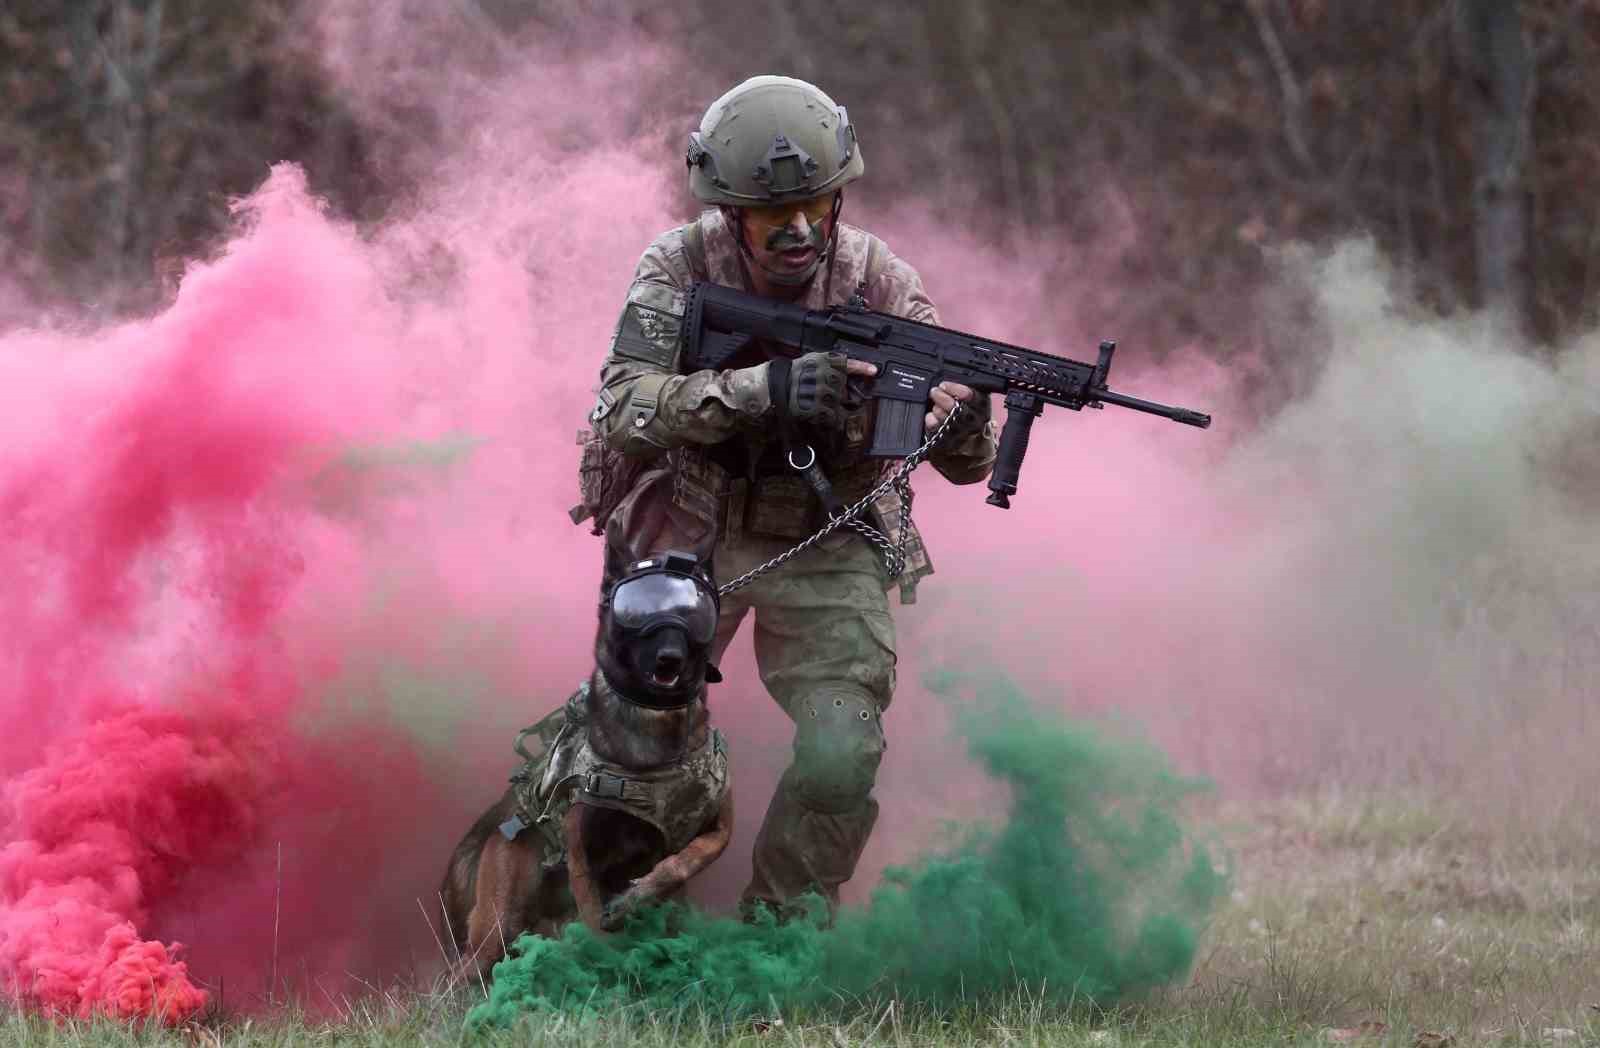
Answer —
912 358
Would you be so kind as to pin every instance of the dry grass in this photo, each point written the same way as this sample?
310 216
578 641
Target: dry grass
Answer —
1407 911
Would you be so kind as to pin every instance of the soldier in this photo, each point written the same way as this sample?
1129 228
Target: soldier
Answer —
772 157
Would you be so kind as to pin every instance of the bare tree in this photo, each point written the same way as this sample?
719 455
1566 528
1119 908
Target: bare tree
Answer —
1499 85
127 126
1172 140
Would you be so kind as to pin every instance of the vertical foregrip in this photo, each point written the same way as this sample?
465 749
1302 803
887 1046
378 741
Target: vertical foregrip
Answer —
1021 409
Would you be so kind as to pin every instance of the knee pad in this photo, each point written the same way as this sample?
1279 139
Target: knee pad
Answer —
837 748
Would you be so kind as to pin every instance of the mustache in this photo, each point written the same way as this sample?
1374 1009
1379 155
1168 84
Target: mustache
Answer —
784 239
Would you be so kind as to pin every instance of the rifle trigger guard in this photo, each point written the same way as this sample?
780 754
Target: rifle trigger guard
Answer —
801 467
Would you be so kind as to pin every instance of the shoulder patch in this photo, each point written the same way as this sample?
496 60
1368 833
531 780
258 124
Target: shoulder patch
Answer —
650 324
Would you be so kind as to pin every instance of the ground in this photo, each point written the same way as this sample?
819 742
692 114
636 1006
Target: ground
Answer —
1378 919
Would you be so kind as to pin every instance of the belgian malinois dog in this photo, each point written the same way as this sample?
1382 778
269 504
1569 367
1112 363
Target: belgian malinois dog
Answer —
629 796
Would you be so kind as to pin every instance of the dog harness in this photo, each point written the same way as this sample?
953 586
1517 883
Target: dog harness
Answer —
679 799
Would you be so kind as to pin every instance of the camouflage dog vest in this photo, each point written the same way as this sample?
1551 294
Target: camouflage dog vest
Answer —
679 799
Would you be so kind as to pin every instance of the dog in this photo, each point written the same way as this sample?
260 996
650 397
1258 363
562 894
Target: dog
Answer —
626 797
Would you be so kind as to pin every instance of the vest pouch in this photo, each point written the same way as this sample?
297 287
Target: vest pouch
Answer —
890 513
781 506
700 486
604 477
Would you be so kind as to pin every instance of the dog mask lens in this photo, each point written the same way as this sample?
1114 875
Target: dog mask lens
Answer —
641 602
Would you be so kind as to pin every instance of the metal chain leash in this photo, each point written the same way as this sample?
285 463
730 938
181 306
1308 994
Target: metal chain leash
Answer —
894 552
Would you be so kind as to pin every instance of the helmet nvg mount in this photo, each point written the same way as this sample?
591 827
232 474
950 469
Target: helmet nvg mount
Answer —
772 140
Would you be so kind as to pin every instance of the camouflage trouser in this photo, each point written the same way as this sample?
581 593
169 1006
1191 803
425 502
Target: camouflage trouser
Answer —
824 644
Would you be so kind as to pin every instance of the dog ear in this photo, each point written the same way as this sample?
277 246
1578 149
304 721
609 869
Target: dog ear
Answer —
713 675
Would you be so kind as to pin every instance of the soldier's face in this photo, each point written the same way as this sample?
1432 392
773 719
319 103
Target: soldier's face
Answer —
788 238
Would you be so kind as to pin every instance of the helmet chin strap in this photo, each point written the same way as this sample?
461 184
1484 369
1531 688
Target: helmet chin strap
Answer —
735 219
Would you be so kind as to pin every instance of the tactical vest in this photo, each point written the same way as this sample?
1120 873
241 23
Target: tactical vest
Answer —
680 799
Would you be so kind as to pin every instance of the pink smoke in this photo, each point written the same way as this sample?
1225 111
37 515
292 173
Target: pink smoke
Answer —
108 826
294 559
260 534
152 524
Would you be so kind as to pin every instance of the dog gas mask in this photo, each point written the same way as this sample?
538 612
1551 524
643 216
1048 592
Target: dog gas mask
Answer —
657 626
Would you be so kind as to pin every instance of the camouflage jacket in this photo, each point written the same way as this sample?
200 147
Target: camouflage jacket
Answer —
716 427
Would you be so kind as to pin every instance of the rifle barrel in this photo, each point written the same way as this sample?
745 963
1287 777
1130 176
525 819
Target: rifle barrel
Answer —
1150 407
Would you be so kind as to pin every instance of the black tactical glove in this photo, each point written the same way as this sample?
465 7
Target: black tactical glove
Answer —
809 388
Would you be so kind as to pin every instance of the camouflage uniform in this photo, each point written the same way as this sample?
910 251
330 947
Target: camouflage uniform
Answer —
824 638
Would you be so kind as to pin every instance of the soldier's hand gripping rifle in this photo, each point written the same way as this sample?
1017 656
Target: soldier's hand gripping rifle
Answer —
912 358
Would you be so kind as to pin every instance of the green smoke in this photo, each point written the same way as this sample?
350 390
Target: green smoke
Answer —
1089 891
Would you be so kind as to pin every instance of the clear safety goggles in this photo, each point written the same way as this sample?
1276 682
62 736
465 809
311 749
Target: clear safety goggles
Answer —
643 601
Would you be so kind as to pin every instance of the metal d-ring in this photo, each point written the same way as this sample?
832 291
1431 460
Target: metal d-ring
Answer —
797 467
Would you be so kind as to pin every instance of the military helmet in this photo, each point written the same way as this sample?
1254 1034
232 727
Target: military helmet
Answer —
771 140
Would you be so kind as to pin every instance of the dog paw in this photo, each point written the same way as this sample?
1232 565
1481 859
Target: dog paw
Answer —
641 892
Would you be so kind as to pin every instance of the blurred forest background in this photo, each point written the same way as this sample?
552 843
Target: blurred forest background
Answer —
1463 135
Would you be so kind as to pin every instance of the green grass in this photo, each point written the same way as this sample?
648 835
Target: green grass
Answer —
1345 908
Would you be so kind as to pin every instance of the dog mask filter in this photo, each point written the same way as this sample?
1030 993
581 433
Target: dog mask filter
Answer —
658 623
